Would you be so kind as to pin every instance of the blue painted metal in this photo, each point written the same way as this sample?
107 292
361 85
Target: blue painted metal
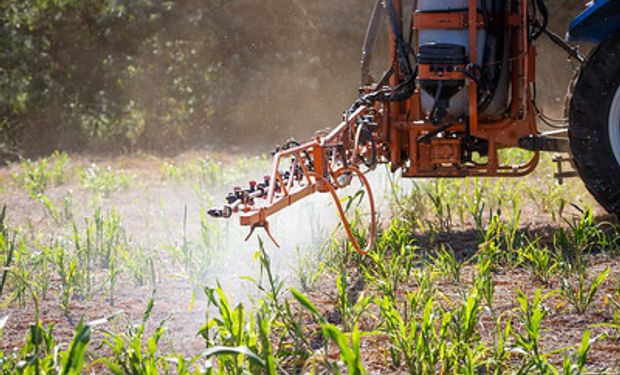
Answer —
599 21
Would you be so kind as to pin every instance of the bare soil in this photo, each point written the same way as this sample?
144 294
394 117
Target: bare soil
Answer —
152 210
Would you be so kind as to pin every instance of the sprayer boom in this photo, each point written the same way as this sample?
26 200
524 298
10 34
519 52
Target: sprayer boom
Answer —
326 164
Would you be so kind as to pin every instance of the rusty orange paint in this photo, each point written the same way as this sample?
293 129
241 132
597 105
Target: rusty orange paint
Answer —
445 20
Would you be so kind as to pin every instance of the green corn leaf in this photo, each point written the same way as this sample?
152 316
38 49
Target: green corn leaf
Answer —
583 350
74 358
239 350
305 302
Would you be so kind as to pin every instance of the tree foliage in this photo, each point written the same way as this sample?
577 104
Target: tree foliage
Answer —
164 75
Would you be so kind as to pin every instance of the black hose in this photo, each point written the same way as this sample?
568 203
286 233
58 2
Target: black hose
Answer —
544 11
402 50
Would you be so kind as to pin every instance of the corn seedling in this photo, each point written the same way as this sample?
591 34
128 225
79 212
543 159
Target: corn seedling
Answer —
66 266
575 364
392 261
502 240
274 286
418 341
581 237
500 353
476 205
580 296
484 283
308 268
235 338
528 342
412 207
40 266
103 181
442 196
352 304
36 177
289 336
230 326
210 234
467 317
7 249
467 352
106 237
139 265
132 352
42 355
16 275
540 261
446 264
350 352
84 252
113 272
50 208
170 171
614 326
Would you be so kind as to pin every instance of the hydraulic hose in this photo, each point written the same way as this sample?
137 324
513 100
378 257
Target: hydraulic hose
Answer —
544 11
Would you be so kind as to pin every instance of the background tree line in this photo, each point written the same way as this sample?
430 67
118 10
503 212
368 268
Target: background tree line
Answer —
168 75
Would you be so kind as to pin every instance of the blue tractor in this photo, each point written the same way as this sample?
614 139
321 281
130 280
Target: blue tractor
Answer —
594 103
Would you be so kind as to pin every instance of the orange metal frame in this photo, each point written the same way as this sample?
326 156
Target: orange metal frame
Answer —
324 178
407 123
328 163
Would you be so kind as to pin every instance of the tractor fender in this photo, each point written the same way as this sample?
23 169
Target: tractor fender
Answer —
600 20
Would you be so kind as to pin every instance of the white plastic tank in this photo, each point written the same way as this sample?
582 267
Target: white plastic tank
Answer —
458 103
460 37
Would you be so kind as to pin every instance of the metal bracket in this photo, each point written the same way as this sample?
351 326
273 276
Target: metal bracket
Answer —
561 174
552 141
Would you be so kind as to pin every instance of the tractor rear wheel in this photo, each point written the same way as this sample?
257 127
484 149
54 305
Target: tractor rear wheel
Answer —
594 117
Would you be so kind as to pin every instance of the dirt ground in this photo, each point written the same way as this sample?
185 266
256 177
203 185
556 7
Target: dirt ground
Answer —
152 210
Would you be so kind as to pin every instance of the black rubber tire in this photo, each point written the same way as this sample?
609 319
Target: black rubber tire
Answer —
593 91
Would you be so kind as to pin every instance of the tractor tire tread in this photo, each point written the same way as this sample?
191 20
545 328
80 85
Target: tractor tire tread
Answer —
593 90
